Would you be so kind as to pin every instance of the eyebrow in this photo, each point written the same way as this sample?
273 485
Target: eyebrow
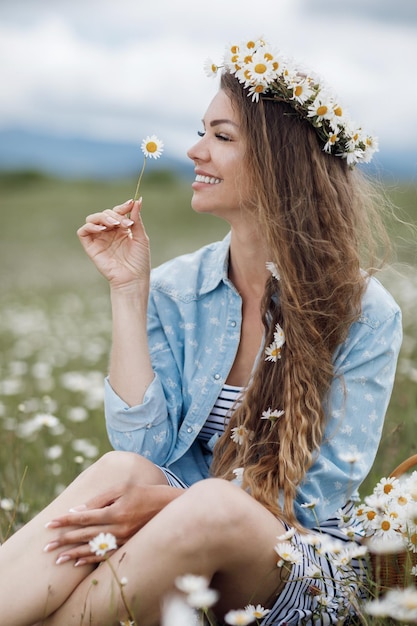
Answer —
222 121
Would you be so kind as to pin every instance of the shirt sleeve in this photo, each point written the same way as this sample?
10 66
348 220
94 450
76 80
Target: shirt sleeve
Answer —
356 405
150 428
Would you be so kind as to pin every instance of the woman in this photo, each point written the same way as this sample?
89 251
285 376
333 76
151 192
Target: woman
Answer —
240 376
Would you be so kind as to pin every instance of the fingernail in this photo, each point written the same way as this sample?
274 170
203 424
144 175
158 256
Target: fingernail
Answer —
129 201
62 559
80 562
52 525
112 220
77 509
127 222
51 546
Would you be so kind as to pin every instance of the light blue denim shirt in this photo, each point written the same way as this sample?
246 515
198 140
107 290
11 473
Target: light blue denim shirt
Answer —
194 321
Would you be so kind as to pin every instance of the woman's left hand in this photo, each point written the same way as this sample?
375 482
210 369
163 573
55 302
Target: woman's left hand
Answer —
119 511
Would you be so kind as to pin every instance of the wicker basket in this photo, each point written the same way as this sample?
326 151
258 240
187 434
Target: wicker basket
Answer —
393 570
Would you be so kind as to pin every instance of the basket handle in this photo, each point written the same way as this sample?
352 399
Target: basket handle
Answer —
404 466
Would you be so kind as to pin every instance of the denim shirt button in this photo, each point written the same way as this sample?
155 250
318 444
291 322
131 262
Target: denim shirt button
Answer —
189 429
233 324
216 376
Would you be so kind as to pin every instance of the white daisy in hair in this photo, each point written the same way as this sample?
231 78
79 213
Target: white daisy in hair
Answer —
271 267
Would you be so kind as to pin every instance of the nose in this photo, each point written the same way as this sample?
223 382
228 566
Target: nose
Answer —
199 151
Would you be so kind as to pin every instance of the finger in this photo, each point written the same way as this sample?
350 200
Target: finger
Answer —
85 518
80 536
81 555
123 209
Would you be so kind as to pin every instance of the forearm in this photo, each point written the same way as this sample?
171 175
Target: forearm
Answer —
130 369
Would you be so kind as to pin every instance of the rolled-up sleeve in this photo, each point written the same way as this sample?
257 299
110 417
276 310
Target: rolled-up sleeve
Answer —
150 428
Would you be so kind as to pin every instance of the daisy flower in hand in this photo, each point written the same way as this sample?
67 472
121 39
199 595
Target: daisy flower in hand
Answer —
152 147
103 543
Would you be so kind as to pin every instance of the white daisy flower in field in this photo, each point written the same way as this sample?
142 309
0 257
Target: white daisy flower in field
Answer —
202 598
7 504
239 434
210 68
176 612
287 553
258 611
103 543
189 583
413 570
152 147
238 617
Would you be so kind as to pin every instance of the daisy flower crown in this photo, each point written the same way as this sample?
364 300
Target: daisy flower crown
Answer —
267 74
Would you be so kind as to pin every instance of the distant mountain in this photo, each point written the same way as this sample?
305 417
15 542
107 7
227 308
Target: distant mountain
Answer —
74 157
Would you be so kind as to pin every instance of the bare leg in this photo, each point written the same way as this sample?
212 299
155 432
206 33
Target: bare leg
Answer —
214 529
32 585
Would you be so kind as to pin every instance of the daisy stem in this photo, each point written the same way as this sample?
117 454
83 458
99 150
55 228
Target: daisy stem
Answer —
135 197
119 584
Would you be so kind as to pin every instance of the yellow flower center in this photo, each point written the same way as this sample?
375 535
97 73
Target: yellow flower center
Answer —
402 500
371 515
338 111
259 89
250 44
275 65
247 59
387 487
234 49
151 146
103 546
385 525
333 139
260 68
413 539
235 58
268 56
298 90
322 110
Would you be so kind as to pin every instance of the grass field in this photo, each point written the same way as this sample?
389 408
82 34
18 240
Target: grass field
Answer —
55 327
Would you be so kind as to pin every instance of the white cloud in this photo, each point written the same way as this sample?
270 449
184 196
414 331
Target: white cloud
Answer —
117 70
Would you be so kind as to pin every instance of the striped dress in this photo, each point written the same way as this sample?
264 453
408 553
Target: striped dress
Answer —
322 587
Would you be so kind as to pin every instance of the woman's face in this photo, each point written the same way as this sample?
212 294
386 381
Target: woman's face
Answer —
219 158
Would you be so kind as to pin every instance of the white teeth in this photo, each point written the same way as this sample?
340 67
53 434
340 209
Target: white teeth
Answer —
207 179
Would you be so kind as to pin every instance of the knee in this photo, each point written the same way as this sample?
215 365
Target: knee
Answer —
126 466
217 506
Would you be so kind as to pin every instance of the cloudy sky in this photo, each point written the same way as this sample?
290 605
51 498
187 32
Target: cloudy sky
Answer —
121 69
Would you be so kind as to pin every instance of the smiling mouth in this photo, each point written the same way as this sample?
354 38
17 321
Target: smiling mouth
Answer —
210 180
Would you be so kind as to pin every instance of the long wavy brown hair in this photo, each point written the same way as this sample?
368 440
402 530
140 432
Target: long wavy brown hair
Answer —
320 220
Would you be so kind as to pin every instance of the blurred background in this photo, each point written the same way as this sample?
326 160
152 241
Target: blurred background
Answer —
83 82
